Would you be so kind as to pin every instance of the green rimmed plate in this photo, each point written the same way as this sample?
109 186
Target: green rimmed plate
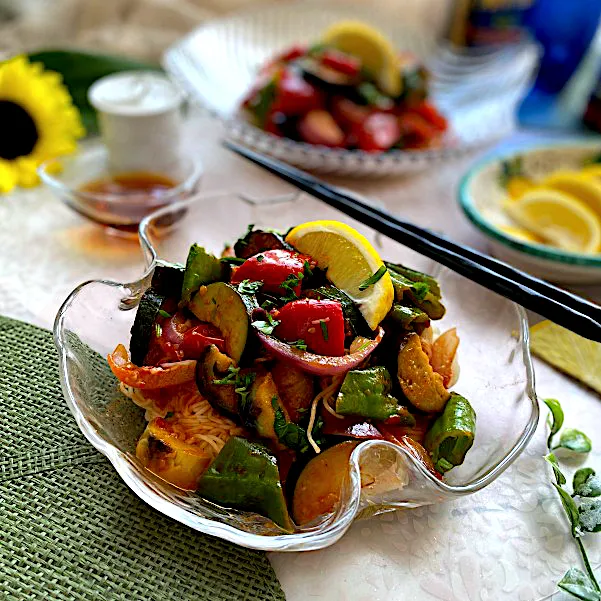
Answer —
481 196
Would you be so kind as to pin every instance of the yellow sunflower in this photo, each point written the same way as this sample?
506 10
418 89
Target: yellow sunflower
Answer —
38 121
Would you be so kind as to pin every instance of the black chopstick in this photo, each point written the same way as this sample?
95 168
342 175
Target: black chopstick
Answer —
561 307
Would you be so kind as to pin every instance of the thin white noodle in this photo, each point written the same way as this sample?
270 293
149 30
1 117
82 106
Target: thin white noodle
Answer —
325 392
330 410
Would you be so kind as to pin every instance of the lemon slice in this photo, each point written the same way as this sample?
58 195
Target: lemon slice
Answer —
521 234
558 218
593 170
350 260
585 188
518 185
568 352
376 52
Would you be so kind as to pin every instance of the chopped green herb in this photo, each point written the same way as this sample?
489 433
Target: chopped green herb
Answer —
260 258
307 269
242 384
248 287
230 378
289 285
324 329
301 345
169 414
233 260
164 313
158 330
372 279
288 433
266 326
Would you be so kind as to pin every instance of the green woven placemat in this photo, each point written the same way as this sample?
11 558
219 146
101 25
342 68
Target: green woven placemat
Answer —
70 529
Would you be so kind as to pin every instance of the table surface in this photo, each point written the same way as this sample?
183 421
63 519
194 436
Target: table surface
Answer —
507 542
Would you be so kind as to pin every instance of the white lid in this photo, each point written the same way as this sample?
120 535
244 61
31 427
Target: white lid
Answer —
135 93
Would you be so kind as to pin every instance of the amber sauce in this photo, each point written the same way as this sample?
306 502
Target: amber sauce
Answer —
140 191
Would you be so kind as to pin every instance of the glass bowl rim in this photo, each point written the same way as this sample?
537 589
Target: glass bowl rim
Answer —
194 171
335 528
541 251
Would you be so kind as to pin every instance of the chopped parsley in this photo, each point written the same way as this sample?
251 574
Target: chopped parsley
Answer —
169 414
300 344
307 269
164 313
324 329
260 258
266 326
242 384
230 377
289 285
158 330
288 433
372 279
248 287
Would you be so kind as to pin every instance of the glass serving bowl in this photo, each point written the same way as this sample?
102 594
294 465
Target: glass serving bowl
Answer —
120 214
496 375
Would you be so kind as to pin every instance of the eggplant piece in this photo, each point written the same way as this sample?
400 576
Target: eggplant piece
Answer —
366 393
144 325
320 484
213 366
326 78
452 434
256 241
168 278
221 305
173 460
201 268
295 388
245 476
422 386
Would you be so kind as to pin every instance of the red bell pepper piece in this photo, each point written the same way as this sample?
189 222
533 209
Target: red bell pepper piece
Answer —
320 323
273 267
416 131
296 96
341 62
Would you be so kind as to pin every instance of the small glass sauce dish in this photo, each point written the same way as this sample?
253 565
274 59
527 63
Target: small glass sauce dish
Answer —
117 201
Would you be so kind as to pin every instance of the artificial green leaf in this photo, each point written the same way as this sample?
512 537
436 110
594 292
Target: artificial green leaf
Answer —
555 418
570 508
578 584
590 515
586 483
80 70
574 440
559 477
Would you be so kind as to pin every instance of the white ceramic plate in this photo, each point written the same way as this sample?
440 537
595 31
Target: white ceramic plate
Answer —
217 63
481 196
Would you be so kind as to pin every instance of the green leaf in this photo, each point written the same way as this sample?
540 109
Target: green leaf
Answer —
164 314
578 584
574 440
248 287
590 515
288 433
570 508
555 419
81 69
586 483
373 279
559 477
266 326
300 344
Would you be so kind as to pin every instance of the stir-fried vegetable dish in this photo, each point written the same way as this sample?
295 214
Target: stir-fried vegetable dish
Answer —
262 370
351 89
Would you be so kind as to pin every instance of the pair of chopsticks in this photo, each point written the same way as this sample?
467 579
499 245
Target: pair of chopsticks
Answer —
562 307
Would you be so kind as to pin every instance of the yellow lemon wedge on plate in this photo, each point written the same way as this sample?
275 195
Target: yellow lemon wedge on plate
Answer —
585 188
375 51
568 352
559 219
350 261
592 170
520 234
518 185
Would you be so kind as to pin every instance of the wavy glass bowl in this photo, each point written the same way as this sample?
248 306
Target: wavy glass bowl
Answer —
496 375
478 91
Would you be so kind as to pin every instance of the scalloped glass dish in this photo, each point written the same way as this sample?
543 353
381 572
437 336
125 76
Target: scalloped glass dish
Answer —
496 375
478 91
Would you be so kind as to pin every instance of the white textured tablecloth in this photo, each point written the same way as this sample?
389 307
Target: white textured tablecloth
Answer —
510 542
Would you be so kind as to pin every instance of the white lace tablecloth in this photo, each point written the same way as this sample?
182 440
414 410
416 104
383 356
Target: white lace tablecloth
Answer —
510 542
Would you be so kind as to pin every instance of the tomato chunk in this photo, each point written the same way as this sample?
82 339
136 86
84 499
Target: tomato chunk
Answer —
273 267
320 323
295 95
196 339
380 131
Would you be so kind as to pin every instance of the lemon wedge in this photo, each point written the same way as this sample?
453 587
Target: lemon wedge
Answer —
518 185
592 170
568 352
377 54
521 234
558 218
350 260
585 188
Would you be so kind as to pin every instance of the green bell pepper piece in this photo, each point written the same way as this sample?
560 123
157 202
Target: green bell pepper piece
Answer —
419 294
366 393
452 434
245 476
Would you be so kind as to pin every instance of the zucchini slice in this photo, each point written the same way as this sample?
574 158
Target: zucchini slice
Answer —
256 241
221 305
201 268
143 328
168 278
